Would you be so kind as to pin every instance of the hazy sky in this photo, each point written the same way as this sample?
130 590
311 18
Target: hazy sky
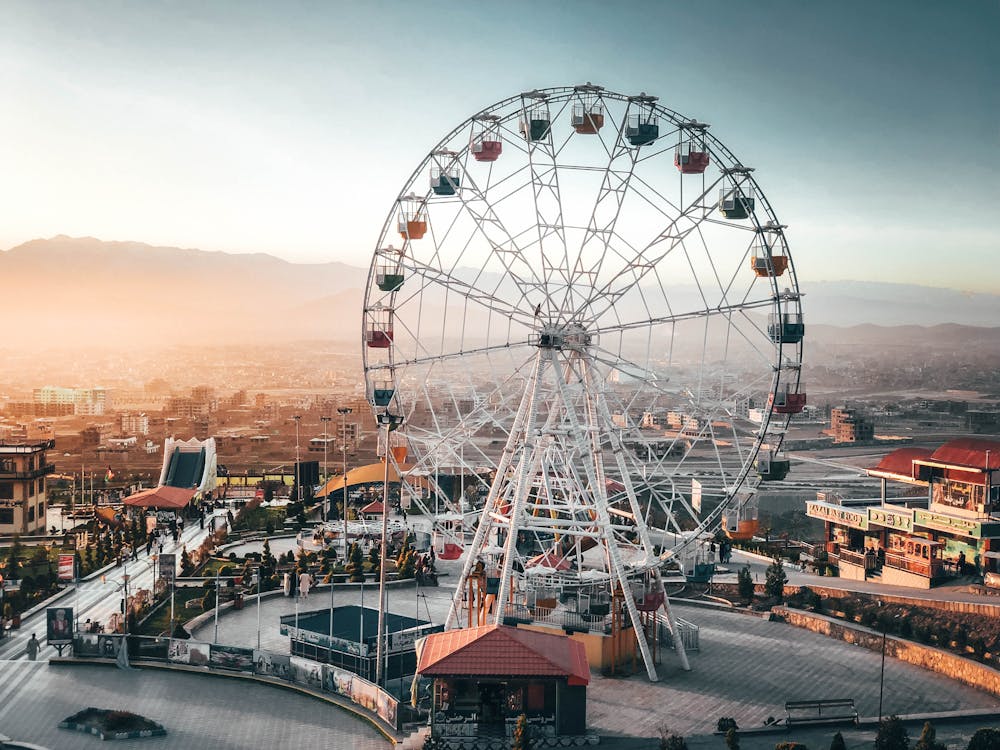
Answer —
289 127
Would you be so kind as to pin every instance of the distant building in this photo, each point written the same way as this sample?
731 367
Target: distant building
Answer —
85 401
848 426
23 467
135 424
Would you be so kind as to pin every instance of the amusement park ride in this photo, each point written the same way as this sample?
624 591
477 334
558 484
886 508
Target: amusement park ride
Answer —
574 317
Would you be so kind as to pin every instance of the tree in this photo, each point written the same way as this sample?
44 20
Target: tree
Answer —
744 584
892 735
732 739
10 572
987 738
187 567
838 742
928 739
521 739
775 580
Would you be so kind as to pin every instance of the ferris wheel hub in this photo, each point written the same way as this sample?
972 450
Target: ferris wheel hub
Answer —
565 336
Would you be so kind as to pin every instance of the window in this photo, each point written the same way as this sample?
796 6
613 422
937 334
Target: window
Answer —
6 490
6 516
31 513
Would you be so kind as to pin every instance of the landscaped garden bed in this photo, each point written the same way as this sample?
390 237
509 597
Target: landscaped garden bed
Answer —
112 725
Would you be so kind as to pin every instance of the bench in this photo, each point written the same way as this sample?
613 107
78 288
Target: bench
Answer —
821 711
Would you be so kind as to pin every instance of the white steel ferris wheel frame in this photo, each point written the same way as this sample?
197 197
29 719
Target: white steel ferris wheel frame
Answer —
514 278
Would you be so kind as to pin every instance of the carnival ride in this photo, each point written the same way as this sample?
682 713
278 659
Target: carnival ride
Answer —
574 303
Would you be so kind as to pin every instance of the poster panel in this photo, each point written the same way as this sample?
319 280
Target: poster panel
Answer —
231 657
59 625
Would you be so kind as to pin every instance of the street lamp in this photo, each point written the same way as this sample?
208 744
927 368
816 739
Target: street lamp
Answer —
298 487
326 438
343 411
881 679
390 422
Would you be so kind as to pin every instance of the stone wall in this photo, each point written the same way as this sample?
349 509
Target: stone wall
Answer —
972 608
950 665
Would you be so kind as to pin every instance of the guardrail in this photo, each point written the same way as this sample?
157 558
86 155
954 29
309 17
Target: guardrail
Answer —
690 634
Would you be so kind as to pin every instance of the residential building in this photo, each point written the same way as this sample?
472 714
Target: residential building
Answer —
23 467
848 426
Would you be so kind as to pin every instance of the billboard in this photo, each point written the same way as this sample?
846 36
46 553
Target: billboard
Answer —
168 566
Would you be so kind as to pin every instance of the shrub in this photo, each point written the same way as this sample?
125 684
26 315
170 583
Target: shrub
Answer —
732 739
837 743
232 557
775 580
671 741
744 584
987 738
725 723
892 735
790 746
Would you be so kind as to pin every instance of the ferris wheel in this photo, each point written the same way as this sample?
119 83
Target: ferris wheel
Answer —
585 310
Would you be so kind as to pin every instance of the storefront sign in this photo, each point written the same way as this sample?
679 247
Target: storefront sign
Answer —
963 526
837 514
893 519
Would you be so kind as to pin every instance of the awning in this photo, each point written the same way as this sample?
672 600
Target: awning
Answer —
168 498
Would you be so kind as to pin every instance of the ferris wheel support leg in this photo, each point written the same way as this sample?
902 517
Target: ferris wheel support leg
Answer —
595 475
675 632
532 455
485 519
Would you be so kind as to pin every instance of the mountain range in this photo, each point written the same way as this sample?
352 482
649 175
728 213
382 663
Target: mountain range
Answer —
79 291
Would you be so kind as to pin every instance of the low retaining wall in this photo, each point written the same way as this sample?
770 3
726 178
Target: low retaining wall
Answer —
950 665
973 608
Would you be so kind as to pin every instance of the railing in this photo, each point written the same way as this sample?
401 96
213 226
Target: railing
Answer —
297 670
920 567
855 558
559 618
689 633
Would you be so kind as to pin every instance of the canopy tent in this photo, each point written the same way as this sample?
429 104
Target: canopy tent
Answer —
165 498
369 474
375 507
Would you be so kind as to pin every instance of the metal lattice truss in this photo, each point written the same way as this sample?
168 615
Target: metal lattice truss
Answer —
556 232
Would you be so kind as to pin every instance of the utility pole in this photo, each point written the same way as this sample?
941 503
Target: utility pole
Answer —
298 484
390 422
343 411
326 439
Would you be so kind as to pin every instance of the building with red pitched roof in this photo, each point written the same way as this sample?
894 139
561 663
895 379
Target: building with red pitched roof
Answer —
942 523
487 677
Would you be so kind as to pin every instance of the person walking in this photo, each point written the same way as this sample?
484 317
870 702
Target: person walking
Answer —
32 648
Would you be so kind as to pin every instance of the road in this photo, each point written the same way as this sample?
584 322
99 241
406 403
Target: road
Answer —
96 600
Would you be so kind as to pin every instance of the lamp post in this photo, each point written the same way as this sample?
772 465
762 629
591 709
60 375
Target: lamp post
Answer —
298 487
390 422
217 594
343 411
326 438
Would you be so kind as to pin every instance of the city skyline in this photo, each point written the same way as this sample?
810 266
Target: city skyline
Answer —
259 129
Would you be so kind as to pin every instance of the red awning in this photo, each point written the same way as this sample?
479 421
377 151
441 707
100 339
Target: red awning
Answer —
168 498
548 560
970 452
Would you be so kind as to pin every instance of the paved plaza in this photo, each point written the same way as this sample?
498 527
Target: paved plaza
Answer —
198 711
747 668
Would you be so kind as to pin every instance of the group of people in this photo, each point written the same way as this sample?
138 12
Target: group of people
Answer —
725 549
